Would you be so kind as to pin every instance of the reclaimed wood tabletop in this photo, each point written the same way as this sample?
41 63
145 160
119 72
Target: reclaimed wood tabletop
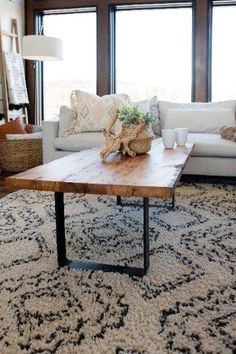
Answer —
154 174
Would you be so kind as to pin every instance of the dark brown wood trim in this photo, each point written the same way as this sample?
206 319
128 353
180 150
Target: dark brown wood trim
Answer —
103 48
30 73
132 2
201 51
62 4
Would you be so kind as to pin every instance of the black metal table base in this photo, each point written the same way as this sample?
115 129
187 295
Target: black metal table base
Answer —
120 203
61 244
105 267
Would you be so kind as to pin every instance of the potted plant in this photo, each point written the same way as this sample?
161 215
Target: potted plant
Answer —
135 136
132 118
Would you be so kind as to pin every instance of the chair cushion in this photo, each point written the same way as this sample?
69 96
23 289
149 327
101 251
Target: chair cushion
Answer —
211 145
79 142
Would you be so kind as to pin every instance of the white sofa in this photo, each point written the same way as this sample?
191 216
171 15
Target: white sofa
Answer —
212 155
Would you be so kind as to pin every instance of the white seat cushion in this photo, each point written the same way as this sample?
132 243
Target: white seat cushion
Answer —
79 142
211 145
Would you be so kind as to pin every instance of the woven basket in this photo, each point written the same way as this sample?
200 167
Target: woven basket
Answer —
143 141
20 155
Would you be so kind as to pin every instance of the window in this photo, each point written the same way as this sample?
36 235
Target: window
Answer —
223 52
77 70
154 53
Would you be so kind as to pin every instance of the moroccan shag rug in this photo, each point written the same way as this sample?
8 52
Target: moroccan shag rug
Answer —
185 304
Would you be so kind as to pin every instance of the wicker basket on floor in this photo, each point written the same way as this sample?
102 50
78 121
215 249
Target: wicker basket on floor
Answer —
20 155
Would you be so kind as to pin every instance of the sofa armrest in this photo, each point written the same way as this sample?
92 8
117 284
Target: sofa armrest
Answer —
50 133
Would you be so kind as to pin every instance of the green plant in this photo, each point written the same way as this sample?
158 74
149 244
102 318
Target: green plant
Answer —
132 115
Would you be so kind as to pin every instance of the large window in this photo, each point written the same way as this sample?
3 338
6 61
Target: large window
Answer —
154 53
158 48
78 68
223 52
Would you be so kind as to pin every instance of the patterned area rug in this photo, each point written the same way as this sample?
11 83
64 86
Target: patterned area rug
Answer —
185 304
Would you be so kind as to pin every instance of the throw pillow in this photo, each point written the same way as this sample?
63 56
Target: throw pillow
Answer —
29 128
144 106
228 133
153 106
66 117
165 105
37 128
199 120
92 113
13 127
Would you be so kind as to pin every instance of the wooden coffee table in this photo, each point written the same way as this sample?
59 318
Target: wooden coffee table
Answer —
153 175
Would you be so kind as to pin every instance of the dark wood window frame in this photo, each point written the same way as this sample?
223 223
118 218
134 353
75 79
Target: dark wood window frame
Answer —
202 16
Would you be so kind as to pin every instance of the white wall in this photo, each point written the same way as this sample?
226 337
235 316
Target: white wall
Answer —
12 9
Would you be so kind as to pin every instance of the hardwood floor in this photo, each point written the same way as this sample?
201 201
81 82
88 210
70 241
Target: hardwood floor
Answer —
3 189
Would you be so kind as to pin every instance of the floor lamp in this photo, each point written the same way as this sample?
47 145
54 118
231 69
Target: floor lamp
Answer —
40 48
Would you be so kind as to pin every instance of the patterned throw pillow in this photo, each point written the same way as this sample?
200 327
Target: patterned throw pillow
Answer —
93 113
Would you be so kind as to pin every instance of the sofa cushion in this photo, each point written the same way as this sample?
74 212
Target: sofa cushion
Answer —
200 120
66 117
79 142
211 145
165 105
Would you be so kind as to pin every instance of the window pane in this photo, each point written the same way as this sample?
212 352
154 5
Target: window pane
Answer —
77 70
154 53
224 53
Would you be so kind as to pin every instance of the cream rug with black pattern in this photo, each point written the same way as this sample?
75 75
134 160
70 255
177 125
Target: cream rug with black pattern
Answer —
185 304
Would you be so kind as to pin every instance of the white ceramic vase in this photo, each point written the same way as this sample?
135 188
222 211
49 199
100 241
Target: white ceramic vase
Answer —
181 136
168 138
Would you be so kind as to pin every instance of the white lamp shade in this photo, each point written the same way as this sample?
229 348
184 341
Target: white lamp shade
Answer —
39 47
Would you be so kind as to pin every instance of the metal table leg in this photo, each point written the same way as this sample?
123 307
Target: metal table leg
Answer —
118 200
61 244
173 201
60 228
146 233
